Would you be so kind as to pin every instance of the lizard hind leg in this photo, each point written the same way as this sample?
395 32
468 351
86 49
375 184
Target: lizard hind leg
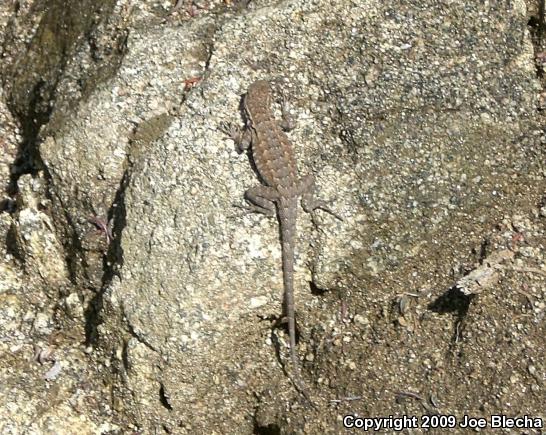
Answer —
308 200
262 199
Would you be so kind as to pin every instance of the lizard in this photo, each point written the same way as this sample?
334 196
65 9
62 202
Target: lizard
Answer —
281 187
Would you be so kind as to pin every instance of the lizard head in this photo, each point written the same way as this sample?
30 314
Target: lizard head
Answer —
258 93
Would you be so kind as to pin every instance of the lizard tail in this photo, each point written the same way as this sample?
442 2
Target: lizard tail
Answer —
287 212
288 235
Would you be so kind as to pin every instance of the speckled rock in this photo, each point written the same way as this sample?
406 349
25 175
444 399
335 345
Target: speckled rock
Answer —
420 123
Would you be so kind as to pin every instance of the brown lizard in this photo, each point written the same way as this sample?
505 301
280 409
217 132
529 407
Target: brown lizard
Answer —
281 187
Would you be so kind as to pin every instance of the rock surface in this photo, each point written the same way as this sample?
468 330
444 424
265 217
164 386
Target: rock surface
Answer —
136 297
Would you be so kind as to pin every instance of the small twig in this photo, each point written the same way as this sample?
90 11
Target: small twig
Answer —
191 82
343 310
409 394
346 399
541 19
522 269
102 226
177 6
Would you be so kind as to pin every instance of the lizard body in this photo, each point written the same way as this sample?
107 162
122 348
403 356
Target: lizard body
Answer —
274 158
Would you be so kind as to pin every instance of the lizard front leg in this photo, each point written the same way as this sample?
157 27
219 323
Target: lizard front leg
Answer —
242 136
